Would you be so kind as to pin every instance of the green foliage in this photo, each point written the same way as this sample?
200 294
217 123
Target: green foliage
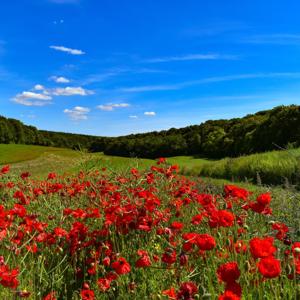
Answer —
263 131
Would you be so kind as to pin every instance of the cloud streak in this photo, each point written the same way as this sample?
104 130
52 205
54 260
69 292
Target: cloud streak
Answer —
65 1
71 91
274 39
191 57
215 79
150 113
111 107
67 50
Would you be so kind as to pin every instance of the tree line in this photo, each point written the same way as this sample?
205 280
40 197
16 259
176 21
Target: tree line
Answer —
259 132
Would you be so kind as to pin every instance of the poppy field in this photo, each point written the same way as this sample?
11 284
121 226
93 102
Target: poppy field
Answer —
151 234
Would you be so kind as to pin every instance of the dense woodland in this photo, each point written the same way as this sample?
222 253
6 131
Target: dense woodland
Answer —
263 131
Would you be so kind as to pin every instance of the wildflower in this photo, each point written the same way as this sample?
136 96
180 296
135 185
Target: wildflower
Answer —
121 266
87 295
187 290
228 295
5 169
269 267
169 257
228 272
262 247
50 296
205 242
264 199
144 260
171 293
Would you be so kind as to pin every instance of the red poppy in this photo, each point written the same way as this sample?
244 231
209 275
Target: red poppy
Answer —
144 260
187 290
171 293
228 272
5 169
169 257
228 295
205 242
121 266
87 295
269 267
264 199
262 247
104 284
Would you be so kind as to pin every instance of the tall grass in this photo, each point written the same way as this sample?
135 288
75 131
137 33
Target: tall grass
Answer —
275 167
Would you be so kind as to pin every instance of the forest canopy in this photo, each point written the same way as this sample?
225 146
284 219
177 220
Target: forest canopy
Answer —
259 132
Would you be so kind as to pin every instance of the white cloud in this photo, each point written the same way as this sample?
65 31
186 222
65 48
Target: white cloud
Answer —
60 79
191 57
150 113
133 117
111 107
32 99
71 91
77 113
68 50
39 87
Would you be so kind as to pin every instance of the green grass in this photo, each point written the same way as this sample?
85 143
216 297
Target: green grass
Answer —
11 153
275 167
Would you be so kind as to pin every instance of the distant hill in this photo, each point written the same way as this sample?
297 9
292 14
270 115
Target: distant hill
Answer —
259 132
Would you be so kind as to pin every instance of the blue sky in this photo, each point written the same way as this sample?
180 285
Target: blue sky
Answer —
114 67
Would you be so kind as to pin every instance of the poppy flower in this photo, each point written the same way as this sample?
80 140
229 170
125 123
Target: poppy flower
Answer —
144 260
87 295
169 257
269 267
262 247
187 290
264 199
228 295
103 284
205 242
171 293
228 272
121 266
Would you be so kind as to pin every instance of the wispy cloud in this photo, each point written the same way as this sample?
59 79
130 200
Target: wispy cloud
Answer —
71 91
191 57
77 113
60 79
215 79
133 117
275 39
65 1
215 29
114 72
2 50
67 50
28 98
111 106
150 88
150 113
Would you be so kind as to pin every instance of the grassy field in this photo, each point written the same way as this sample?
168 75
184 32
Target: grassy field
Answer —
143 235
275 168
